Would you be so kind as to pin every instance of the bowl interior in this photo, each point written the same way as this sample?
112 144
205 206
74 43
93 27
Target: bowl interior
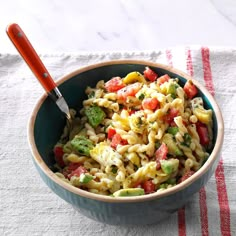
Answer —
50 121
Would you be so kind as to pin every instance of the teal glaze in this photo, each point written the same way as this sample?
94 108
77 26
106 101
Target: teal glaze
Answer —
137 213
48 127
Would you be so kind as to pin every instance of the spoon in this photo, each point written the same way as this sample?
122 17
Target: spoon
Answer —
28 53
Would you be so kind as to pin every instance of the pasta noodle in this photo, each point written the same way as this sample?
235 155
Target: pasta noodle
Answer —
135 133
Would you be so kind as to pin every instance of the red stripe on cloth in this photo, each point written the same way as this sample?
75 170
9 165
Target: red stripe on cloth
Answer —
207 70
203 212
202 192
181 222
169 57
219 174
189 62
181 212
223 200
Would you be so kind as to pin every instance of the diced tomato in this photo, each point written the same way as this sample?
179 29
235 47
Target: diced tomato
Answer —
186 175
111 133
172 113
123 142
73 166
58 153
190 89
77 172
203 133
150 74
163 79
114 84
117 140
161 154
148 186
129 90
131 112
150 103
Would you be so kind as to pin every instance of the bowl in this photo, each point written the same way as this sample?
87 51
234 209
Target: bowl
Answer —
46 125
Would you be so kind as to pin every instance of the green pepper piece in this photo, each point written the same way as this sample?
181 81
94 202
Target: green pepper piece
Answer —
85 178
163 186
129 192
82 145
173 130
169 166
171 181
95 115
172 90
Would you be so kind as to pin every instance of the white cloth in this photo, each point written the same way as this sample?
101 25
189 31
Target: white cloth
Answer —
28 207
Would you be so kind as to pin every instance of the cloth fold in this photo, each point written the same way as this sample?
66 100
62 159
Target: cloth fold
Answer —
28 207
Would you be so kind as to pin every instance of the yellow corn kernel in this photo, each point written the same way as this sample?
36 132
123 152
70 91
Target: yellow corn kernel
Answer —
133 77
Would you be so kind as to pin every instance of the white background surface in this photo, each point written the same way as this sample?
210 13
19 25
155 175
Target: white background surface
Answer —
102 25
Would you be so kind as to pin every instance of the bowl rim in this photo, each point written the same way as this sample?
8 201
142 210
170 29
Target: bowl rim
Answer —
212 158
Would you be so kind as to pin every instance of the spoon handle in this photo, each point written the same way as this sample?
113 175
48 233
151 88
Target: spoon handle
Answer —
26 50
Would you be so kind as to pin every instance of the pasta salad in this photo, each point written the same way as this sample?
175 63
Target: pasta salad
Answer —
135 135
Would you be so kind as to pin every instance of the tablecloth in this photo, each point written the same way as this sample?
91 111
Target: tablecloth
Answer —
28 207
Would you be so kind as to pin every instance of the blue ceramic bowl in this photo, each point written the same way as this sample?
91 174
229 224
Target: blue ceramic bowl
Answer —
46 125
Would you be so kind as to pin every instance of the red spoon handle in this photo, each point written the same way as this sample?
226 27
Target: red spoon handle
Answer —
30 56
